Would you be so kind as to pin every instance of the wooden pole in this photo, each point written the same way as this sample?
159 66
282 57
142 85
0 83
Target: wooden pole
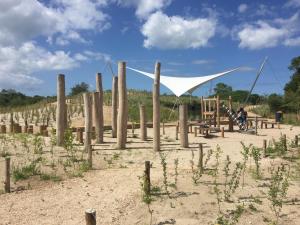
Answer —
163 128
99 89
143 125
265 147
284 142
79 136
230 119
90 217
195 131
61 110
123 112
296 140
11 123
256 124
200 162
202 108
183 126
176 132
147 181
218 112
96 116
156 109
87 121
7 175
114 104
222 132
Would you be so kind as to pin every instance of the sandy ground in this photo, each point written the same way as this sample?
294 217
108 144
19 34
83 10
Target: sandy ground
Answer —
114 190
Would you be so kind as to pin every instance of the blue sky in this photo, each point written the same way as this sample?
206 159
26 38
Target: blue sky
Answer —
39 39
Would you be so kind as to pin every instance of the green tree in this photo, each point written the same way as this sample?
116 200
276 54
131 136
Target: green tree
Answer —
223 90
79 88
275 102
292 88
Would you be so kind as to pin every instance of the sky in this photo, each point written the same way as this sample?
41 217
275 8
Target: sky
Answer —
78 38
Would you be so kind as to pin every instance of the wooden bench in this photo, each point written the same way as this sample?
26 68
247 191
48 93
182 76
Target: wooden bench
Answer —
205 130
265 123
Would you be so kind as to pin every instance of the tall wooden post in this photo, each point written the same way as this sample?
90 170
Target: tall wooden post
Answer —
202 108
143 124
296 140
99 89
7 175
183 126
218 112
87 121
123 111
114 106
96 118
147 181
61 110
265 147
200 162
230 119
90 217
156 109
11 123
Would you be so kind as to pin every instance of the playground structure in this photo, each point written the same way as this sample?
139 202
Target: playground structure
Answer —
214 113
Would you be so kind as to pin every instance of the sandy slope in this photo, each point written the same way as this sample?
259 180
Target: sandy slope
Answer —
115 192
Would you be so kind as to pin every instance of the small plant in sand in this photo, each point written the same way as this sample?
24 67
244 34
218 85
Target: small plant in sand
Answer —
278 189
69 145
245 153
234 181
164 167
232 217
215 175
176 162
196 174
208 157
37 144
256 155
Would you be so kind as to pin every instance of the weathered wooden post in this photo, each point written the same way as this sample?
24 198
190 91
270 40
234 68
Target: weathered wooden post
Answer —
284 142
163 128
123 111
265 147
100 121
11 123
90 217
222 132
296 140
230 128
176 132
132 128
114 106
87 121
218 112
143 125
147 181
156 109
183 126
7 175
256 124
79 137
200 162
60 110
97 118
195 131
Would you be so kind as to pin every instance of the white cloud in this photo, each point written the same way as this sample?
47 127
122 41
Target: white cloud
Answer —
24 20
293 3
164 32
267 34
145 7
292 42
242 8
18 64
260 35
202 61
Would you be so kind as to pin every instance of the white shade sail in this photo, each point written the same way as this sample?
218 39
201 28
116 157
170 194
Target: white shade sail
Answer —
181 85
